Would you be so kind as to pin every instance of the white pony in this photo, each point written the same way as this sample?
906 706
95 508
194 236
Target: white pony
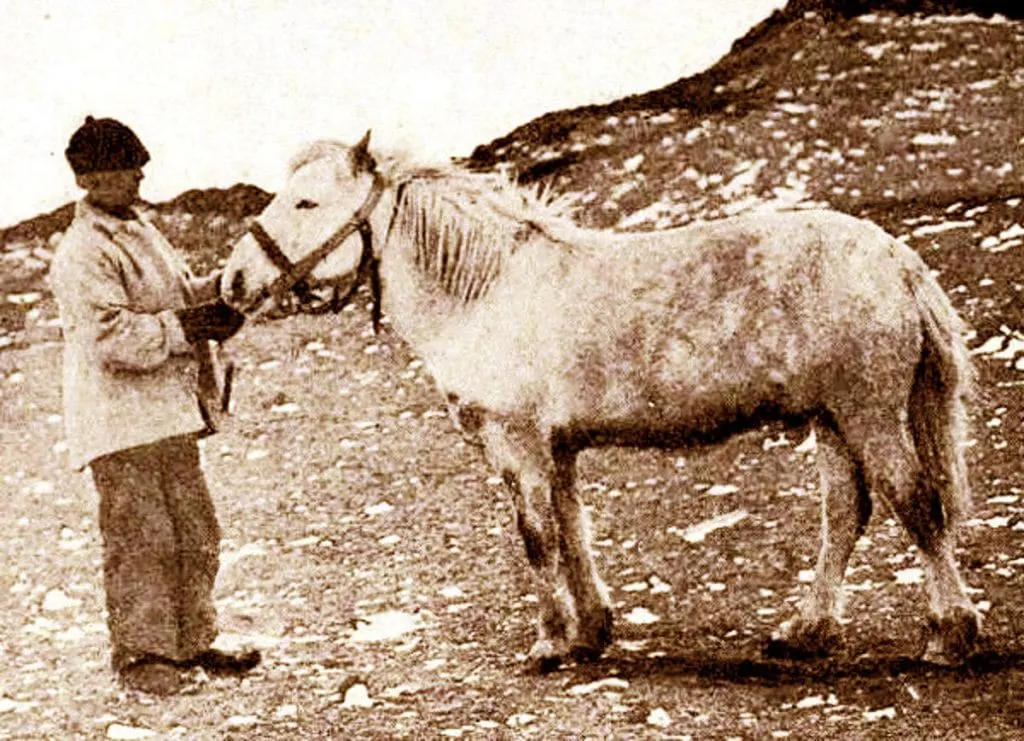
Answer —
560 338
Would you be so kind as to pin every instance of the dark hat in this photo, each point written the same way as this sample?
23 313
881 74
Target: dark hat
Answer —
102 144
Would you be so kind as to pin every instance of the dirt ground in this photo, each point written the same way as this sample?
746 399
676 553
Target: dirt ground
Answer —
370 553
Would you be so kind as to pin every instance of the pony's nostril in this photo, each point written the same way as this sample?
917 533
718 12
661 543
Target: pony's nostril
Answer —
238 286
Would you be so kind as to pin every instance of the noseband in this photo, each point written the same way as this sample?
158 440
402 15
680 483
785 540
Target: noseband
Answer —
293 274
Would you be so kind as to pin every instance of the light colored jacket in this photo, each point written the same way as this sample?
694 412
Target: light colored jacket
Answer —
130 377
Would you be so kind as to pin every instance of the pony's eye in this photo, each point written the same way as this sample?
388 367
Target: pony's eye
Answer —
305 203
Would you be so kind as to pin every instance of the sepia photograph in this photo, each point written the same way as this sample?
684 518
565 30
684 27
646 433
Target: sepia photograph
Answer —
578 369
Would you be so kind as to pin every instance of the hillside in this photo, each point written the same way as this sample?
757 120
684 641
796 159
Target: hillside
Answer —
879 114
910 120
872 112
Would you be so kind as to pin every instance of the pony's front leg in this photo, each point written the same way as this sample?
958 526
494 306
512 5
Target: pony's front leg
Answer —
523 458
845 510
589 593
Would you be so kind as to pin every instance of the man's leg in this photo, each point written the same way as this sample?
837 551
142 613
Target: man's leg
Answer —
198 543
198 537
140 560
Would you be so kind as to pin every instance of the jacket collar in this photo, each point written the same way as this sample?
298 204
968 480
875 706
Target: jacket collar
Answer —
96 216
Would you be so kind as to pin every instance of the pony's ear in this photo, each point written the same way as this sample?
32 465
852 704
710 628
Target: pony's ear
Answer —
360 157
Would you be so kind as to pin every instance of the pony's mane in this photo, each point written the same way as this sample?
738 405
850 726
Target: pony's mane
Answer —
462 226
549 214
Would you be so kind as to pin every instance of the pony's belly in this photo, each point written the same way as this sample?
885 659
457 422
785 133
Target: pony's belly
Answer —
672 412
678 428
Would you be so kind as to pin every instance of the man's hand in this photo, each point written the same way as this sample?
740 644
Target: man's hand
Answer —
214 320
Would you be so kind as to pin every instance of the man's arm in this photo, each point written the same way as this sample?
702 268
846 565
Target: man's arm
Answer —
88 285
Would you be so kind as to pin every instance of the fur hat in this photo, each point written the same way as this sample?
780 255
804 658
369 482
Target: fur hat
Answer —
102 144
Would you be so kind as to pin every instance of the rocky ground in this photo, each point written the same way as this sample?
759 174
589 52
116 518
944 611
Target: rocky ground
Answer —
371 554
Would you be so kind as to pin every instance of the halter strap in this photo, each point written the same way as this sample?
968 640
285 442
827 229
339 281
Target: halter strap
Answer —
292 273
270 248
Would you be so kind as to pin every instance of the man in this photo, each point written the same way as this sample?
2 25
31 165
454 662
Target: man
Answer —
137 394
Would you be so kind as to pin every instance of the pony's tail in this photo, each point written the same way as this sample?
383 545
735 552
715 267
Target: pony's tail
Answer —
943 384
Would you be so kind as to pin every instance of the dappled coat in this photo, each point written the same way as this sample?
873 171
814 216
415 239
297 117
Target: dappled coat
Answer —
130 377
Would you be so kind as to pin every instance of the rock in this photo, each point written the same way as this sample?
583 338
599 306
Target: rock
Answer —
125 733
55 600
357 696
612 683
659 717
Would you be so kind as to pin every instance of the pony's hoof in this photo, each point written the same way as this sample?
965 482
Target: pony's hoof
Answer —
586 654
798 640
591 643
545 658
547 664
951 639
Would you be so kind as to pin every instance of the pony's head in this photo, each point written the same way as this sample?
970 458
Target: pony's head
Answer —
314 231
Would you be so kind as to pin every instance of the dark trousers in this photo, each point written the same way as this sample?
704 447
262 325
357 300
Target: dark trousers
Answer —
160 551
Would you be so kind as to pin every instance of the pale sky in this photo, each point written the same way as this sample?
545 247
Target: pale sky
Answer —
225 91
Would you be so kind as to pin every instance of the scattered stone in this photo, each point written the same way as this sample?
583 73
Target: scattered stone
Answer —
912 575
580 690
659 718
357 696
303 542
8 705
641 616
127 733
697 533
631 646
242 721
881 714
518 720
721 490
386 626
55 601
814 701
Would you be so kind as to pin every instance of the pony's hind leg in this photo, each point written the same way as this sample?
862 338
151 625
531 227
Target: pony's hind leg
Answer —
893 470
954 622
524 460
589 593
845 510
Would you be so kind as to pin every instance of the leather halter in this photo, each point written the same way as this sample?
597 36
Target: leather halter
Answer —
294 273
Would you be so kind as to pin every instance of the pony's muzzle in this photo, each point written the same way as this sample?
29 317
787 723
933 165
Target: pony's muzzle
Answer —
234 291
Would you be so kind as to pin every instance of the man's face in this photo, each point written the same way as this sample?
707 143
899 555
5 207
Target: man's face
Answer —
112 187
